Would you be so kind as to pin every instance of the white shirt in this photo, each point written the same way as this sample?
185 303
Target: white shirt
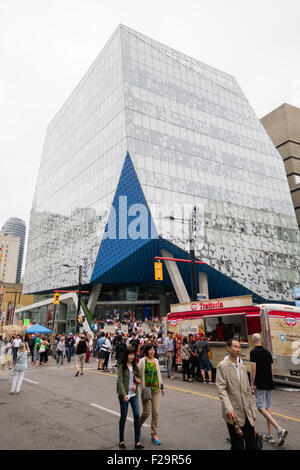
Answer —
237 366
131 392
17 342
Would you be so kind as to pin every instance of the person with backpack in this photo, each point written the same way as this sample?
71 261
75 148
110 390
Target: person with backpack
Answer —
119 349
100 353
202 350
81 348
36 351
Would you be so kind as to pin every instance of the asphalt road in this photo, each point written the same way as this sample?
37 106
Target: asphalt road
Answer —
58 411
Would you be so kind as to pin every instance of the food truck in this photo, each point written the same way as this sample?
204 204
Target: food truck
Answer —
237 317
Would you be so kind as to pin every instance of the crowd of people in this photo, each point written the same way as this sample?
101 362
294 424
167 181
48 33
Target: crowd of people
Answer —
136 358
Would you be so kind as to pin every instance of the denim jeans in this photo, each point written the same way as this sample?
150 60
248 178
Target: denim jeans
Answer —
60 354
69 352
134 402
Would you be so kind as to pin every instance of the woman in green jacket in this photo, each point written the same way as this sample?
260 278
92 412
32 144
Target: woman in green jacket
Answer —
127 387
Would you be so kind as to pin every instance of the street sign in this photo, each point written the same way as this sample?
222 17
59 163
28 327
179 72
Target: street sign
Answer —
158 271
56 299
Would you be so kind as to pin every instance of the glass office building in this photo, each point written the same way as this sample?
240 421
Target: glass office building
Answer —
148 126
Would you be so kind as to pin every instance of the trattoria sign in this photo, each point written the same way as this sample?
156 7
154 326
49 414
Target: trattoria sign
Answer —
213 304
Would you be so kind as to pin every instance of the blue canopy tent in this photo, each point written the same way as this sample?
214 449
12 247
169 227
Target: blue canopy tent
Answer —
37 329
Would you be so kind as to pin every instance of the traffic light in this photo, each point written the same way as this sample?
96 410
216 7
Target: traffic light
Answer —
158 271
56 299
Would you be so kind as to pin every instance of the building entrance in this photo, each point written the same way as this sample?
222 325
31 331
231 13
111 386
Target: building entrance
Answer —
141 310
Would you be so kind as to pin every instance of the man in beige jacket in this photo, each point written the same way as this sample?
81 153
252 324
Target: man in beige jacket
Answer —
236 397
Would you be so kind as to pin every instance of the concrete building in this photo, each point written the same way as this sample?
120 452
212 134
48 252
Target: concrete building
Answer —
11 298
283 127
147 135
10 247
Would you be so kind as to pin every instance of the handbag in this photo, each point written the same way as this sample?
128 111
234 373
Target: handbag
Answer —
147 391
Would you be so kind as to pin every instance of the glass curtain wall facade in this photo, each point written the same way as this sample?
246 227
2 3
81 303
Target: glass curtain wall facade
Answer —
193 139
82 158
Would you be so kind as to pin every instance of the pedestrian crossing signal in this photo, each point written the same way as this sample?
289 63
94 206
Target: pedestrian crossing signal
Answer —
56 299
158 271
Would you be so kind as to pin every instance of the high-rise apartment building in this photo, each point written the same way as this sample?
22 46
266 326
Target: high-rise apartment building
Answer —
147 135
16 228
10 247
283 127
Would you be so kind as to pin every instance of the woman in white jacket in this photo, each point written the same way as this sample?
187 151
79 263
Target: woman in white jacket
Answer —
19 369
151 377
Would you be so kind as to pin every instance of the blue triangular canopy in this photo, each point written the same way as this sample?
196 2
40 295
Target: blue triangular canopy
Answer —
122 259
130 225
37 329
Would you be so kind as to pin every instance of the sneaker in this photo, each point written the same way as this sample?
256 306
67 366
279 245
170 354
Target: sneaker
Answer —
210 383
77 373
139 446
155 440
282 435
269 438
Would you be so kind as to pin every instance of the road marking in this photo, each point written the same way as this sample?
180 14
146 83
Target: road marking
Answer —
191 392
115 413
199 394
288 389
32 381
286 417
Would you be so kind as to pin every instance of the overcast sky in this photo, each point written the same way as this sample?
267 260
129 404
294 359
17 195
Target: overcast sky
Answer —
46 46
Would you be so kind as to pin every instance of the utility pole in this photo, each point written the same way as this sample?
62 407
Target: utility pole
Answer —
192 254
79 297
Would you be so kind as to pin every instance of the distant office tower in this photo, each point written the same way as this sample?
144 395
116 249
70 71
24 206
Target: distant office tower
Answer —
283 127
16 227
10 248
148 134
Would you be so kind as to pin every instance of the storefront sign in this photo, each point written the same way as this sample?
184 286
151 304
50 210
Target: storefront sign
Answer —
213 304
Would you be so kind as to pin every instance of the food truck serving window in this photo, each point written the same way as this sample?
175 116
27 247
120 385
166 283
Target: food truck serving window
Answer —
222 328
